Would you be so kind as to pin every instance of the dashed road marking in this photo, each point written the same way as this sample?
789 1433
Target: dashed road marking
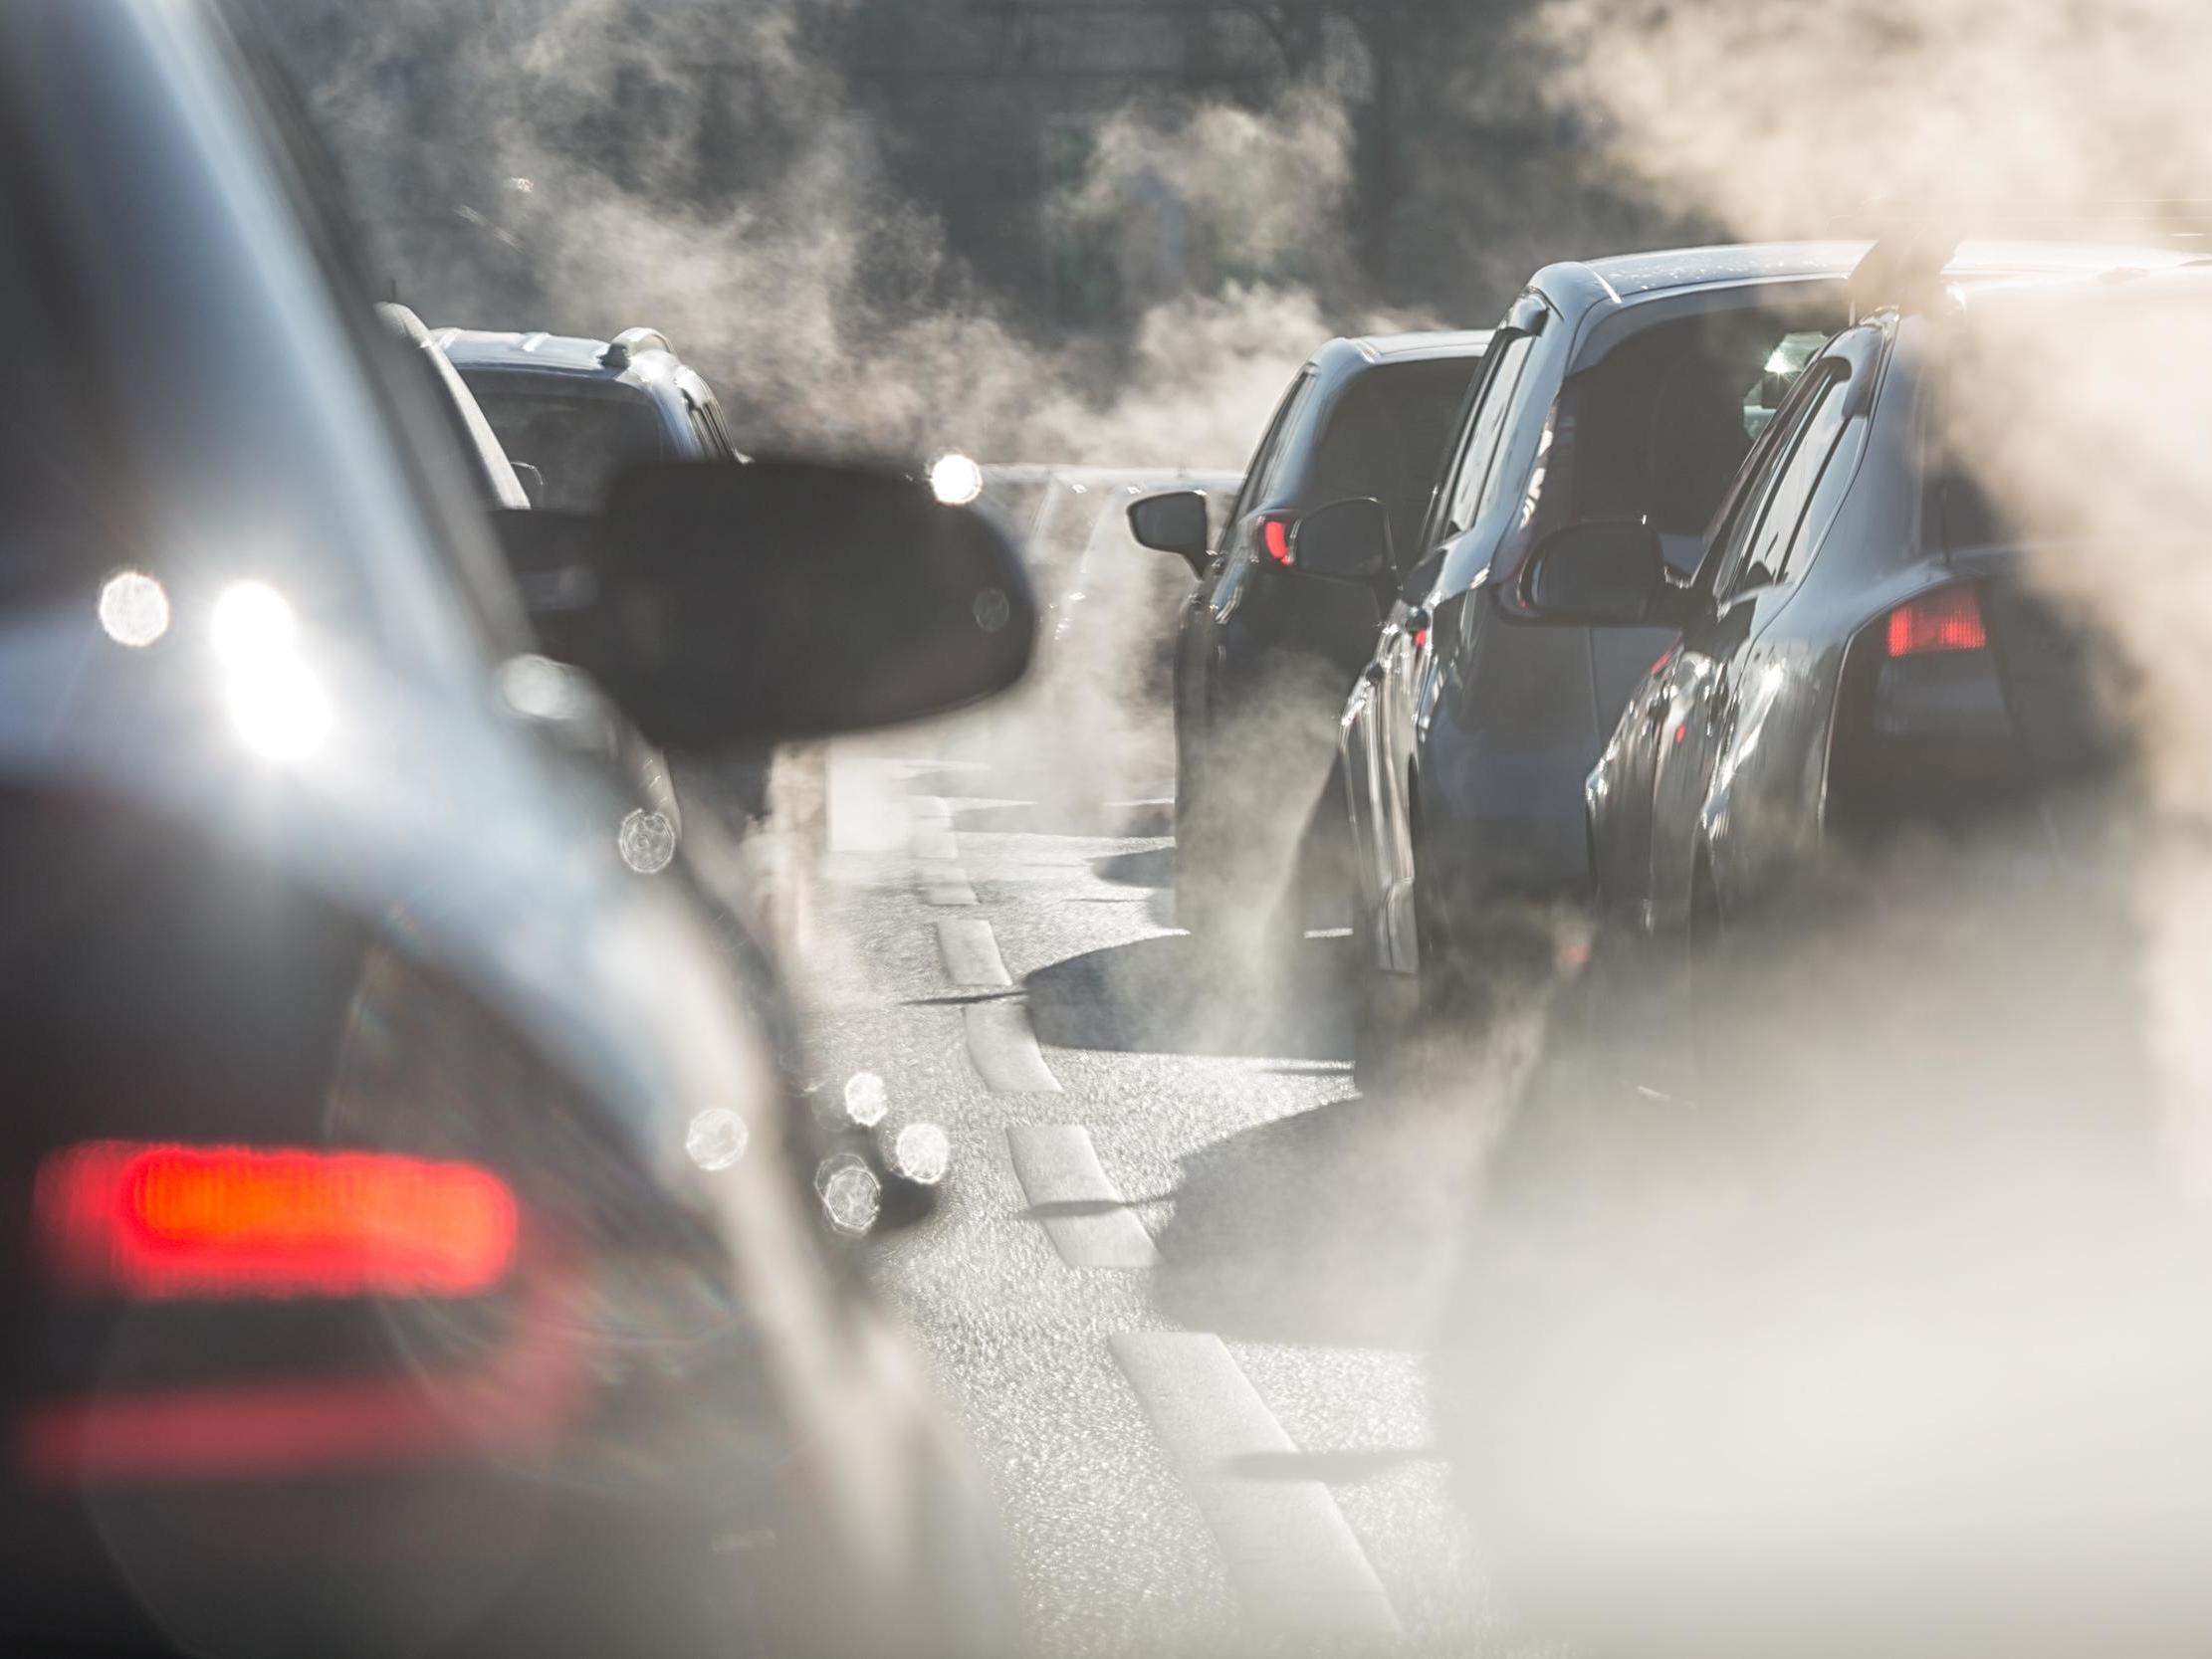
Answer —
1290 1555
970 952
945 884
1005 1049
1058 1166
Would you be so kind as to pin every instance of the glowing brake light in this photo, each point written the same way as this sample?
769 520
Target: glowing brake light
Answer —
1274 536
1945 620
155 1221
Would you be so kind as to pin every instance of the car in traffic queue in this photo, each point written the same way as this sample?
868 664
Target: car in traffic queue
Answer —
1863 656
417 1239
569 413
1871 1144
1626 389
1291 584
657 829
576 410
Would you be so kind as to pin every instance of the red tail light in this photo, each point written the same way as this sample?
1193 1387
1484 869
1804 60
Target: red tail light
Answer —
1945 620
164 1222
1274 536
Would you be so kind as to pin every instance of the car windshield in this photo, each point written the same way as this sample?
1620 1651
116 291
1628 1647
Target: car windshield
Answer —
577 441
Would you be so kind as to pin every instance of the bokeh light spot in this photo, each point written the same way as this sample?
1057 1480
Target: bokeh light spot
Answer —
850 1193
866 1099
647 841
716 1138
955 479
923 1153
133 608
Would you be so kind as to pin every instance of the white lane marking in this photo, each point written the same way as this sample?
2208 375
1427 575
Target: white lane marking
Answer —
1293 1559
1057 1164
945 884
933 838
1005 1050
970 952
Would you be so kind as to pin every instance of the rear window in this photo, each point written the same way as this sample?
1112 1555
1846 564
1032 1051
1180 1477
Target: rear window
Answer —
577 439
1385 438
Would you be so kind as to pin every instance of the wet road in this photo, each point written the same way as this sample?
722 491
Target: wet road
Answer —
1182 1289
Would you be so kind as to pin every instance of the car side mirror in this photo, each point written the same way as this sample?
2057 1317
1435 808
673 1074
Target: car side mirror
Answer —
1347 541
723 603
1609 573
1172 522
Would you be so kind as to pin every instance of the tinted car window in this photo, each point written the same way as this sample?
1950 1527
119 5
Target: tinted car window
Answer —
1474 468
1658 429
576 441
1386 437
1768 549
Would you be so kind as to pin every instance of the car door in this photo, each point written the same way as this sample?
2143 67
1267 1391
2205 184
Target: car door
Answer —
1621 788
1216 595
1725 680
1404 662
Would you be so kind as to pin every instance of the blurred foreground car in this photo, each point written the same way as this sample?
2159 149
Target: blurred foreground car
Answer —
413 1242
1285 611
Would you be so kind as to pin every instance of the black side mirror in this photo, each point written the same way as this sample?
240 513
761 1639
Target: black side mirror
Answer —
725 603
531 479
1347 541
1172 522
1610 572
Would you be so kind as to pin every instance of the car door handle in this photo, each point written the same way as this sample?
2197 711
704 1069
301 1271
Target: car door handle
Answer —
1417 620
1656 709
1373 674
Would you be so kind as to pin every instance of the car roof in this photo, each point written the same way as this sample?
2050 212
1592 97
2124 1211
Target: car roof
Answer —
1422 343
536 351
1625 279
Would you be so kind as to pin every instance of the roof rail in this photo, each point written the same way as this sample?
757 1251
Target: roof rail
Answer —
1903 271
629 342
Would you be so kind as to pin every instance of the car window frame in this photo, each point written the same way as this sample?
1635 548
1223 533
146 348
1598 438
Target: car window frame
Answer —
1810 452
1748 498
1259 472
1508 353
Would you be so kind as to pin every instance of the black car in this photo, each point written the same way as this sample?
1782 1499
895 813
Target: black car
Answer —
1860 656
1285 611
414 1237
1624 389
576 410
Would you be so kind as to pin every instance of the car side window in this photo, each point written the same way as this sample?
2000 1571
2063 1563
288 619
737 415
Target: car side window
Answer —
1267 459
1770 545
1470 489
1745 515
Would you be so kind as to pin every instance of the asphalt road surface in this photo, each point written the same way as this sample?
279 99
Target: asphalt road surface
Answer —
1181 1291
